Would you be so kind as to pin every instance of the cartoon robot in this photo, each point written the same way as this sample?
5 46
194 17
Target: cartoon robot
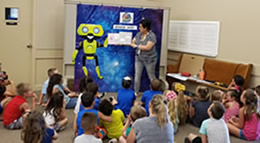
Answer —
90 33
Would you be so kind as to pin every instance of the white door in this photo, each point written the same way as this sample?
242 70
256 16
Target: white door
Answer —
14 53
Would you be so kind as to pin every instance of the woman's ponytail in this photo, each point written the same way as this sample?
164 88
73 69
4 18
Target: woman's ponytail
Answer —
160 110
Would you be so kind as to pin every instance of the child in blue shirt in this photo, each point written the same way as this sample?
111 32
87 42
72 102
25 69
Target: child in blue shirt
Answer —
89 124
43 96
92 87
87 100
125 96
213 129
83 82
148 95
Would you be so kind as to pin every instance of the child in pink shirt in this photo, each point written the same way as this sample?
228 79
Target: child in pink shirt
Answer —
231 105
246 126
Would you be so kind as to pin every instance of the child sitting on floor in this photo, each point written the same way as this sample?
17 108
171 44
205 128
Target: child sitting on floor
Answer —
125 96
12 116
3 103
173 109
7 86
246 125
7 90
54 114
217 95
257 91
181 103
231 105
87 100
199 106
114 128
36 131
148 95
56 85
92 87
136 112
89 125
237 84
177 105
214 129
84 81
43 96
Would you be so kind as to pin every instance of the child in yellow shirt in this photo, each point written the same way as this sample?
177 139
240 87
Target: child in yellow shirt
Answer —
114 128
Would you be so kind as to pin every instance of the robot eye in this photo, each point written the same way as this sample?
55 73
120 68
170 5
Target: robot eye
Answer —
85 29
96 30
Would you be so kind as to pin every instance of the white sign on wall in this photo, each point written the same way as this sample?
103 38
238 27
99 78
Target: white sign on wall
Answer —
125 27
127 17
123 38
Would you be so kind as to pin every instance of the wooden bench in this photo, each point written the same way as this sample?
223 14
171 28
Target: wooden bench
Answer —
215 70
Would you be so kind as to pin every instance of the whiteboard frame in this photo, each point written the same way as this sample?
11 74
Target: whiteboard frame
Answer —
217 23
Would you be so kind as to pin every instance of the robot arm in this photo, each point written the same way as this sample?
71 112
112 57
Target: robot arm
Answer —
75 52
105 44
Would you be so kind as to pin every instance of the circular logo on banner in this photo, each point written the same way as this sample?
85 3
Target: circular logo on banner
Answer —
126 17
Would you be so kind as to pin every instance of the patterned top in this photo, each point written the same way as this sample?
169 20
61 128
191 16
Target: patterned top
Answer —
148 55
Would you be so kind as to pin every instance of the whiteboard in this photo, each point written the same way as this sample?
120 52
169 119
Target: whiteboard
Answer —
195 37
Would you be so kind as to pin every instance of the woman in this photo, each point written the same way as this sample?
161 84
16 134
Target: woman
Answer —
55 85
153 129
144 41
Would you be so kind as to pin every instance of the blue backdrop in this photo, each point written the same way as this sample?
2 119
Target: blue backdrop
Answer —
115 62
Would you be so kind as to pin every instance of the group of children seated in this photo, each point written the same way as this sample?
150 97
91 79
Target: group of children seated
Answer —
235 112
155 118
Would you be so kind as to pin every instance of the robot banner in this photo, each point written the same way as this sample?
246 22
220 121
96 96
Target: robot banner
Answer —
108 64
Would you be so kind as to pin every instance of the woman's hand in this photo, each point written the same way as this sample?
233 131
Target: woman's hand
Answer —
133 45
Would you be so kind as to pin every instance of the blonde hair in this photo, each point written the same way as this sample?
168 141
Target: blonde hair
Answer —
171 111
173 85
217 95
181 106
22 88
137 112
159 109
180 103
166 92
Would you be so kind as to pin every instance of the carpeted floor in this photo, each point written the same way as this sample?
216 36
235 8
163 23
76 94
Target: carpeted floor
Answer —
66 136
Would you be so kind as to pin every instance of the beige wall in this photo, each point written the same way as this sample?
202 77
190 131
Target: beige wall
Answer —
239 32
239 29
137 3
